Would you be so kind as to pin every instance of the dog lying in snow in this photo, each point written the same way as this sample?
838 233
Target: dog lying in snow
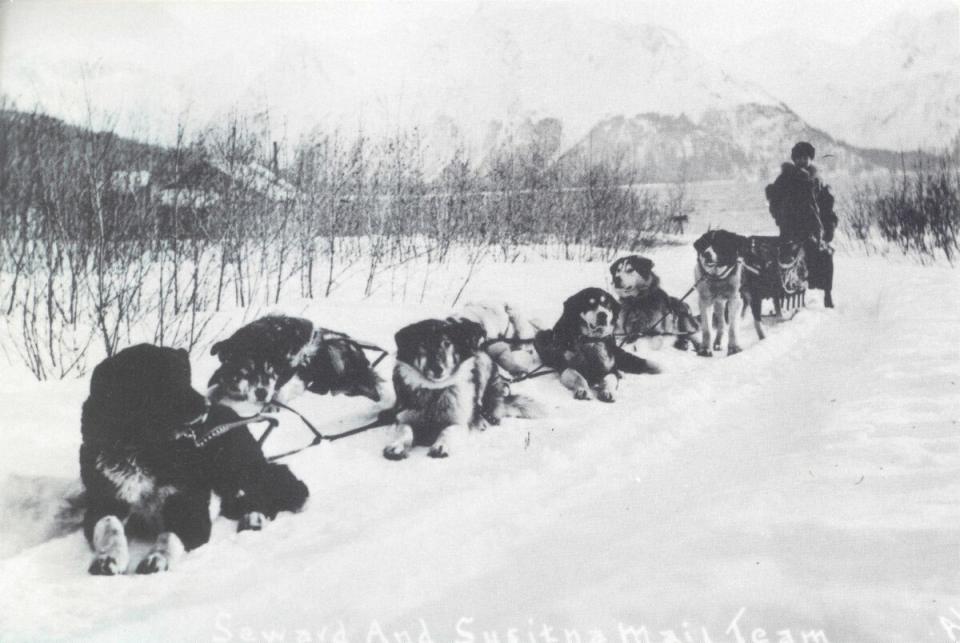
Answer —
645 308
582 347
445 384
278 357
509 334
142 468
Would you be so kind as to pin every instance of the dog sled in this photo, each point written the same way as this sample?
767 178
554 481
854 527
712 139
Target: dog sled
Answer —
778 271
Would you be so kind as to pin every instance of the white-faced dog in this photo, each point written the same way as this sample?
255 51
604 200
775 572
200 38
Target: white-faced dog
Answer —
446 384
722 286
509 334
582 348
646 309
278 357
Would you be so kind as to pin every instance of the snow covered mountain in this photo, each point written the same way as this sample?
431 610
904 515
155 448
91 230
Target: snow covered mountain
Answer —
898 88
475 78
746 141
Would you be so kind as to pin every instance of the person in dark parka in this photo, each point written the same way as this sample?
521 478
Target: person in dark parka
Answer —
802 206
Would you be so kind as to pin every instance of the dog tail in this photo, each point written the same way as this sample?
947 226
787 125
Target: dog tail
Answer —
39 508
522 406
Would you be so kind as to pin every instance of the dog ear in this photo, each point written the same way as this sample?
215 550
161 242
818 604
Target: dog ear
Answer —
615 266
224 350
643 265
567 328
404 337
466 335
614 307
701 244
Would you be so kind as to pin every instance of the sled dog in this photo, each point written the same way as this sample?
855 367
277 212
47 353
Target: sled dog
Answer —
509 334
445 384
582 347
723 287
143 471
278 357
645 308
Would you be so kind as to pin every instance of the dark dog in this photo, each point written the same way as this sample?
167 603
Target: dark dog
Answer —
278 357
582 347
141 466
446 384
721 284
645 308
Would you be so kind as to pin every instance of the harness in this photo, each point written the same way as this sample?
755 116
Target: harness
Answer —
705 274
710 270
320 336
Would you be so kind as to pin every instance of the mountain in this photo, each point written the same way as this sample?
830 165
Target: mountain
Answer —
898 88
473 80
746 141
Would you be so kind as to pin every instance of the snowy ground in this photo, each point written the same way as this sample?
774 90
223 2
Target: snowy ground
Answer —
811 483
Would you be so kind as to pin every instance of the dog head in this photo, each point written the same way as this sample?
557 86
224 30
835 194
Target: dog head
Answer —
143 395
436 347
632 275
721 248
592 312
340 367
243 384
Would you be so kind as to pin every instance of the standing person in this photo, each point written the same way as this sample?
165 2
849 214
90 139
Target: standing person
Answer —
802 206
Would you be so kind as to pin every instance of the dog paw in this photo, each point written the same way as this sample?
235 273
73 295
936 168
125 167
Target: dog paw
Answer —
395 452
581 394
252 521
439 451
106 566
733 350
153 562
270 407
705 352
605 396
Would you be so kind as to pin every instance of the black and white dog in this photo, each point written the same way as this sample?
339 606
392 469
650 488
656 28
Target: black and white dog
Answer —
646 309
278 357
583 349
143 470
445 384
723 287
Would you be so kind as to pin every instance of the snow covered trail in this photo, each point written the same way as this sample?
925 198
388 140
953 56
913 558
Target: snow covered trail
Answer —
810 483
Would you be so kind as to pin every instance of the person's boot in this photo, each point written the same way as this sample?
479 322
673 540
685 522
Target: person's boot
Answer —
827 299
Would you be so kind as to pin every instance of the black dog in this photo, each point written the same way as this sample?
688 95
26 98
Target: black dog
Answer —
646 309
141 466
278 357
582 346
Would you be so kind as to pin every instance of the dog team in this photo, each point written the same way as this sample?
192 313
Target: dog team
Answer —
146 469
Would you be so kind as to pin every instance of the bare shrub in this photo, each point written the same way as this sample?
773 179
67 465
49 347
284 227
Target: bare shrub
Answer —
917 210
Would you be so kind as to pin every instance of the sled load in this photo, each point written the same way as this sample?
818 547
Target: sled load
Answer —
778 271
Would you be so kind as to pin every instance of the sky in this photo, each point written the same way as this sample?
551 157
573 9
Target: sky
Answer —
197 51
204 27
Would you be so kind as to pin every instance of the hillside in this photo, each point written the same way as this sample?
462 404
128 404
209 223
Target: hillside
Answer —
898 88
746 141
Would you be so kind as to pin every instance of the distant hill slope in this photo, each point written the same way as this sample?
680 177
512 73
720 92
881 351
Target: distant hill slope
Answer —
745 141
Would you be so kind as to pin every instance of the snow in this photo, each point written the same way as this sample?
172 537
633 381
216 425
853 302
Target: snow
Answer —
808 484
